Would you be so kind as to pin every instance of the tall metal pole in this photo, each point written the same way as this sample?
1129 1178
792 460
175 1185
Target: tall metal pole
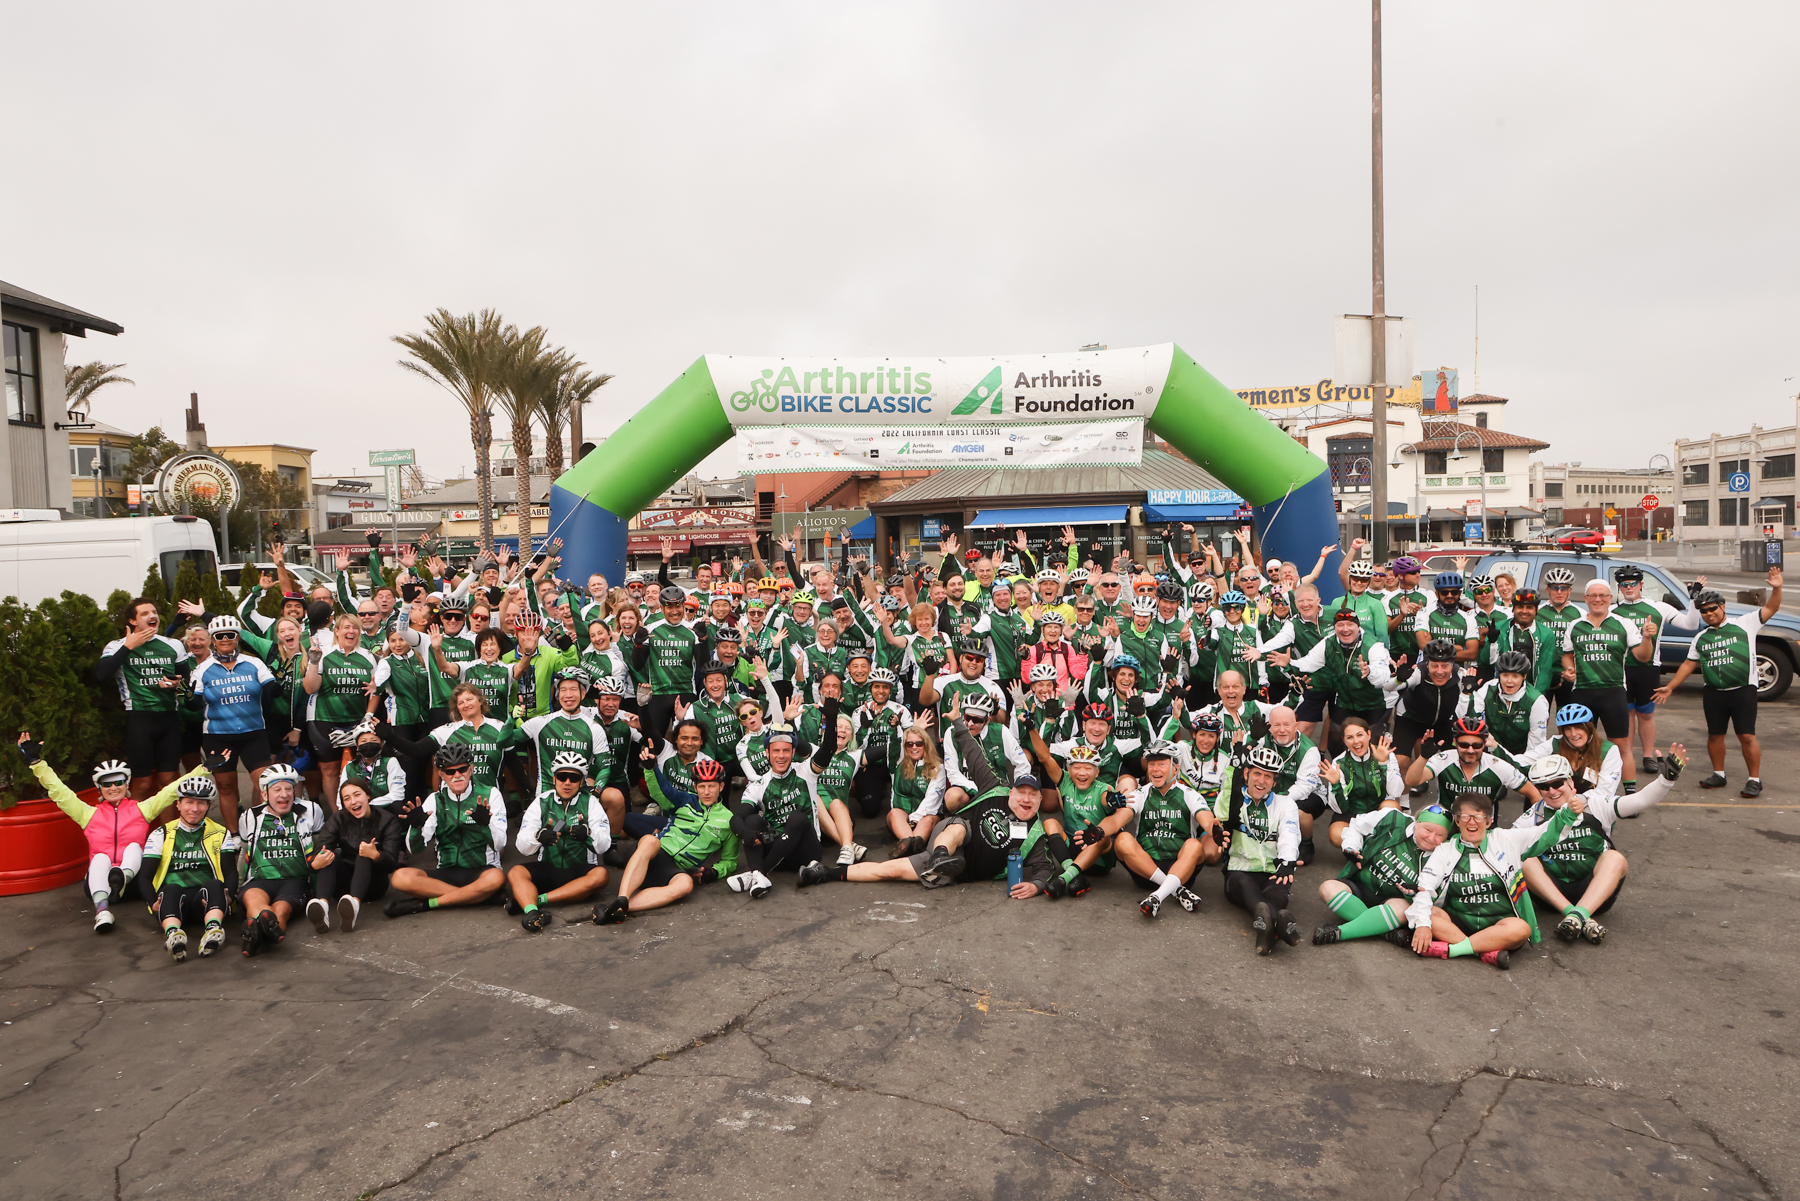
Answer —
1378 502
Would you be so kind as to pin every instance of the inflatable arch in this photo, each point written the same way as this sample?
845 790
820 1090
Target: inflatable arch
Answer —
1286 484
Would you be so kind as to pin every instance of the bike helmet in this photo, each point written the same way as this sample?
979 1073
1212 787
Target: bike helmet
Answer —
1440 650
1472 726
1515 662
978 702
114 771
1048 573
714 668
883 675
1052 617
1448 581
1143 606
1097 711
275 773
199 787
1233 600
1573 714
1266 757
1202 590
1169 590
576 674
569 761
735 588
223 624
614 686
1362 569
528 620
1709 597
1158 750
708 770
1551 769
779 732
454 605
1081 752
1556 577
1127 659
1480 583
1078 576
1629 575
1525 596
634 578
1208 723
969 644
454 754
1406 565
1043 671
804 597
693 602
727 634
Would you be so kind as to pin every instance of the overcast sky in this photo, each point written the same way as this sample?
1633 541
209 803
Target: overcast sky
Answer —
263 194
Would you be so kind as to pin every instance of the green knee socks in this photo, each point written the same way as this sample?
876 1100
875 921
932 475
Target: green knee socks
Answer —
1372 923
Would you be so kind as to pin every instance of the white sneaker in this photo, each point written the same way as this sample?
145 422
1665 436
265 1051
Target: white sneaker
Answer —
103 922
319 914
212 940
760 886
740 882
348 908
653 810
860 850
176 941
847 855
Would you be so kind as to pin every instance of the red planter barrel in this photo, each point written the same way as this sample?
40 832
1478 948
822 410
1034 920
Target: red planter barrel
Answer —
40 847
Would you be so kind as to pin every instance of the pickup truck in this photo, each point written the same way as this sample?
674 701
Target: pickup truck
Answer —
1777 647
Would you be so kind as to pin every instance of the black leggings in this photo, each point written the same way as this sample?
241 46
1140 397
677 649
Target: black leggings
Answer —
870 789
797 844
364 879
188 905
654 720
417 767
1247 889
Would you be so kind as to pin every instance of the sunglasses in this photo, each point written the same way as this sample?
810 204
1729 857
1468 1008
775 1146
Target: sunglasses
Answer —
569 777
1549 785
225 636
455 771
1710 608
912 742
975 719
1471 746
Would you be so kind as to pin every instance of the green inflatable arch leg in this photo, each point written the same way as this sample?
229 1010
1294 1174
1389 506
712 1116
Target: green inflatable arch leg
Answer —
1286 484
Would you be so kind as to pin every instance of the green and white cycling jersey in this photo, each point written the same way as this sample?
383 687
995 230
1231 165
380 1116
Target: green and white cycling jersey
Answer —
550 810
143 669
1520 722
1601 650
577 733
1268 830
1166 818
1490 778
488 742
835 777
1727 652
677 770
1390 858
279 847
1004 756
916 794
1454 624
1558 619
959 687
1478 886
1363 784
406 682
753 755
342 695
1112 751
781 796
879 728
1605 781
1083 807
1403 637
384 778
495 683
1580 843
450 823
720 721
1666 617
1298 778
456 648
1247 713
1355 675
669 669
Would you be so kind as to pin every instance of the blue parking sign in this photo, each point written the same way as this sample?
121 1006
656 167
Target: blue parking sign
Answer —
1738 481
1472 531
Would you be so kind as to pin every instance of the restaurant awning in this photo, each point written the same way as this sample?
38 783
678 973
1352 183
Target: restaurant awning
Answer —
1061 515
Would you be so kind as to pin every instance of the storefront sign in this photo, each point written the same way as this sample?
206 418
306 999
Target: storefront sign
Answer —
1193 496
815 448
1325 392
818 523
695 518
197 479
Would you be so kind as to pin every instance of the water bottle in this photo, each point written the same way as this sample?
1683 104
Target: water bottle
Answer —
1015 869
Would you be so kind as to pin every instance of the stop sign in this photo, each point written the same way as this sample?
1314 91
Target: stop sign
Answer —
1648 504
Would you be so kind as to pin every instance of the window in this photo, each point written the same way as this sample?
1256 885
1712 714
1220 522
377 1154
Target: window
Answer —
1481 421
337 521
24 399
1787 507
1553 489
1734 510
1779 467
1435 462
1553 516
112 461
1493 460
202 560
1349 459
1693 512
1696 473
290 474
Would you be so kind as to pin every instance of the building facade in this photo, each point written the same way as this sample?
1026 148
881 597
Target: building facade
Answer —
35 450
1727 482
1575 494
108 448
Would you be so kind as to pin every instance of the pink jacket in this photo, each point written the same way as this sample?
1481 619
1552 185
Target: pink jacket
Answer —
1071 664
109 828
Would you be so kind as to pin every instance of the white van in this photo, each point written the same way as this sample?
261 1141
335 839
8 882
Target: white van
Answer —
42 556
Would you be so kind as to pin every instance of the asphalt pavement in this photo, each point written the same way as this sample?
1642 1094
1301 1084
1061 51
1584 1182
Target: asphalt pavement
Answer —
881 1040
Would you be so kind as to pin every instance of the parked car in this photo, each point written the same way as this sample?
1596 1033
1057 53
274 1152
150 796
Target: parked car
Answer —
1777 647
1574 535
303 575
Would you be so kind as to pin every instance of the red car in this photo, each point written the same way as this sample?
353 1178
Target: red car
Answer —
1574 535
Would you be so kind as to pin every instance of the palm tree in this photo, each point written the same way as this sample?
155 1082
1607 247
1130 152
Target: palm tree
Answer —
463 355
80 383
529 373
574 387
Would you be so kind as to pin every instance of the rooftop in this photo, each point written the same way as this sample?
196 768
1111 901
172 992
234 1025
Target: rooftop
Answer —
1442 435
61 317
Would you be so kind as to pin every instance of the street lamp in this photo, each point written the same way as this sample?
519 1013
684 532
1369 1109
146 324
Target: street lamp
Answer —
1418 498
1366 477
1457 456
1653 472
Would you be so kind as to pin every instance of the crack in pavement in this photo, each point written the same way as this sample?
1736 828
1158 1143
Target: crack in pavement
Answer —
1706 1128
119 1168
1469 1141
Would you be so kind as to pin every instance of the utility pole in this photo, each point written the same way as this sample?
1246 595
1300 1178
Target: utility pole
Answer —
1378 491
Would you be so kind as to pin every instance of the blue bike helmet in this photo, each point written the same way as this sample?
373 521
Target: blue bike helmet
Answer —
1448 581
1234 597
1573 714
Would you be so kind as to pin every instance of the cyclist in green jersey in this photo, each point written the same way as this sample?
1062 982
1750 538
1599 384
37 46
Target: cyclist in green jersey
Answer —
1371 610
662 659
569 729
1643 679
1082 802
190 870
1260 831
487 673
1468 769
1583 862
1517 714
278 846
915 792
381 775
466 821
1595 649
880 722
340 684
1384 849
1725 654
1555 613
403 690
1489 616
563 833
1163 834
149 668
1528 636
1364 778
1444 617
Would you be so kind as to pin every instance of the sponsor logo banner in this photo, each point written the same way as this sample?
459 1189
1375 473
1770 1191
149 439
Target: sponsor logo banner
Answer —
811 448
877 393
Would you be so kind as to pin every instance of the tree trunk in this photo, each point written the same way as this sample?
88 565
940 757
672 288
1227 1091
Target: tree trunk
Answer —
553 459
522 477
482 436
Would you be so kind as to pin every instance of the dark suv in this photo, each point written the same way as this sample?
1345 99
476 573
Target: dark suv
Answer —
1777 647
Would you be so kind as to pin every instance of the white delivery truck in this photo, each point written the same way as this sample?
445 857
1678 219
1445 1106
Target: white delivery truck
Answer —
42 556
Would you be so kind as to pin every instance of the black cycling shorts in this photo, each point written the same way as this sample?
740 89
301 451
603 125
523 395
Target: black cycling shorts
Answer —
1164 866
250 748
546 878
1312 705
1573 889
189 905
661 870
1642 679
152 742
319 734
456 877
294 890
1608 705
1734 707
